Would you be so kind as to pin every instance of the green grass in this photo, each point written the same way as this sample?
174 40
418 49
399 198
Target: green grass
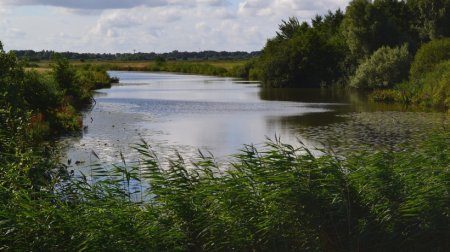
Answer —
279 198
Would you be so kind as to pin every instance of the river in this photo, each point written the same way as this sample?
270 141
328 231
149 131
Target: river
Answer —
186 113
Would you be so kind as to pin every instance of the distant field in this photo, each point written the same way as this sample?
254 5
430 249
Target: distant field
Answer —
43 66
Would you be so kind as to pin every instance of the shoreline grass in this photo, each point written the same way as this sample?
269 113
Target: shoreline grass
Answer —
277 199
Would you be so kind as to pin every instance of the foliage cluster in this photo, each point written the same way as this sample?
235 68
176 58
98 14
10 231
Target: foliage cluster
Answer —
49 101
428 56
429 78
435 85
95 77
302 55
277 199
368 46
384 68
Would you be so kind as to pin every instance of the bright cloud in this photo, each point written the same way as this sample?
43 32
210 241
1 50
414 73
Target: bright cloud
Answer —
149 25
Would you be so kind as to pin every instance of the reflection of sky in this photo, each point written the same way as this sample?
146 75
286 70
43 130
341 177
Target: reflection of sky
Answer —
222 134
205 112
185 113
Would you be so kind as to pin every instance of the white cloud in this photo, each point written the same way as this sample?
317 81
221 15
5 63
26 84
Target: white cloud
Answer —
150 25
111 4
88 4
283 8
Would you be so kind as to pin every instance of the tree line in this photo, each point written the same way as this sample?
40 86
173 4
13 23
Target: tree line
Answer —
138 56
372 45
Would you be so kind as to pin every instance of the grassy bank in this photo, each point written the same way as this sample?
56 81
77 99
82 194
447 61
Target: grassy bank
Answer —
276 199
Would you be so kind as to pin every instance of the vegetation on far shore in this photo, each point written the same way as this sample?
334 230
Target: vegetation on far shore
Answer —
38 56
223 68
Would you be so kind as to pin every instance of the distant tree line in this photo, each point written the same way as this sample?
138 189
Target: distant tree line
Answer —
174 55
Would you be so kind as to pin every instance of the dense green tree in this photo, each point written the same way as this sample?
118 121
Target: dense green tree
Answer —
431 18
302 55
288 28
368 25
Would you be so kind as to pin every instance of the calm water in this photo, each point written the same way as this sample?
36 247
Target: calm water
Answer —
186 113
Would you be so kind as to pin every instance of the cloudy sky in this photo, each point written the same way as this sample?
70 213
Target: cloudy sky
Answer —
149 25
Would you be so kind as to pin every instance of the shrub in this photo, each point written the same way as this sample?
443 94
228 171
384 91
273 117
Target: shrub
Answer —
67 120
41 92
428 56
65 75
386 67
436 85
385 95
94 78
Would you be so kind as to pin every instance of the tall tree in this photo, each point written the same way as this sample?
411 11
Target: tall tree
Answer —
431 18
302 55
369 25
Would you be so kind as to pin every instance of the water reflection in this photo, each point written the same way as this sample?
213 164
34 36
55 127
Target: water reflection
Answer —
188 112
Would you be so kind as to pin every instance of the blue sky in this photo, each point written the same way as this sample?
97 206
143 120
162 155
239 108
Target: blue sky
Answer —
149 25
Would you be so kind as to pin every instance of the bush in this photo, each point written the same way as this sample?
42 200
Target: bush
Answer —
66 119
436 85
41 92
65 75
385 95
386 67
428 56
94 77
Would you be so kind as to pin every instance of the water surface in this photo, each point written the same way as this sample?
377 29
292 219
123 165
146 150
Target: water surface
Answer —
187 113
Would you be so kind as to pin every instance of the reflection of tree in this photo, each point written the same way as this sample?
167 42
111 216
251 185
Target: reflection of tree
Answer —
349 100
298 123
315 95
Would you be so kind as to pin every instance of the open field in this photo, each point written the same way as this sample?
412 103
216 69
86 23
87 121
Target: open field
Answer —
42 66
